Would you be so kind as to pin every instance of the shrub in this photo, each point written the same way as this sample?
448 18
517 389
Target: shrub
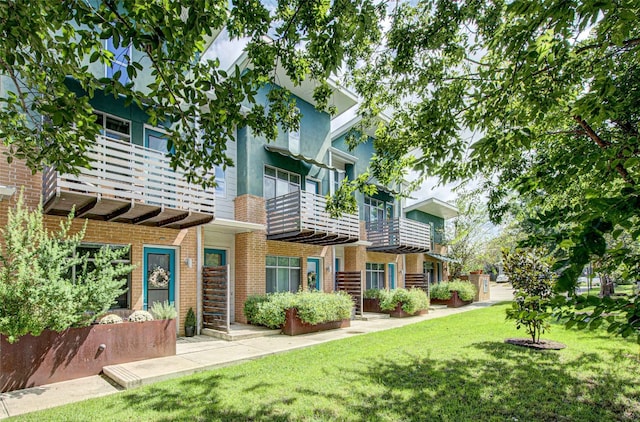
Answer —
313 307
413 300
374 293
251 306
466 290
36 289
319 307
190 318
163 310
111 319
140 316
440 291
532 278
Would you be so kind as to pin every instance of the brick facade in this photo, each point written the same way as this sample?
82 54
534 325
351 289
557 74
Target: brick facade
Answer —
183 241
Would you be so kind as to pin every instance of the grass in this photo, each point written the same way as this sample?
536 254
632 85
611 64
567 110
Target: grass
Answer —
452 369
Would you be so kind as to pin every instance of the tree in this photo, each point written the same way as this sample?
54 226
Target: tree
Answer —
532 279
467 233
36 289
44 45
549 90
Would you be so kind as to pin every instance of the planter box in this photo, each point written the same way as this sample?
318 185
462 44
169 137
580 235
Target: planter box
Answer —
294 326
454 302
76 352
371 305
399 313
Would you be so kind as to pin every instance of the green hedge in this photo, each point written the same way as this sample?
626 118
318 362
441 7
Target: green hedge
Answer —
313 307
413 300
442 291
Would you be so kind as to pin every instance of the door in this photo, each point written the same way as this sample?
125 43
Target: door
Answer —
314 273
215 257
159 273
311 185
392 276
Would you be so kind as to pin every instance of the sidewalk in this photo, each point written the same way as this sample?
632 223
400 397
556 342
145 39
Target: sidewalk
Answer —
203 353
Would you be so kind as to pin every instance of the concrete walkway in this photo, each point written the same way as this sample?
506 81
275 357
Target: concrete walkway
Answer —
203 353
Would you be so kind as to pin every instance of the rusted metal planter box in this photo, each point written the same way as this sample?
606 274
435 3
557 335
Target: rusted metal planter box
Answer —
371 305
454 302
76 352
399 313
294 326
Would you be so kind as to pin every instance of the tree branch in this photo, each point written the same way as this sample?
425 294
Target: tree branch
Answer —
604 145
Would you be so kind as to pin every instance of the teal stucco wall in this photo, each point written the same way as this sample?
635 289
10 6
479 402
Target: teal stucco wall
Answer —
315 127
438 223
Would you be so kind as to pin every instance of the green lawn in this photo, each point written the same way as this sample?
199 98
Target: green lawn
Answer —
452 369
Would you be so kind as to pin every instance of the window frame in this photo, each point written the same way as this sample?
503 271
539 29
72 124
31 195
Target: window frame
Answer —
102 115
292 283
275 179
378 270
118 60
96 246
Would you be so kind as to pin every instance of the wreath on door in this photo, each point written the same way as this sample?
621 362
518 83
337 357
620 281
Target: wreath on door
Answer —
311 280
159 278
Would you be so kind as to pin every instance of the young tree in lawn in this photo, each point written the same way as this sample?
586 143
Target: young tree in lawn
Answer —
532 277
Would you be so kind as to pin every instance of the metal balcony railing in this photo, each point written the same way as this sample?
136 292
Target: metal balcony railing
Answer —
124 176
399 235
302 217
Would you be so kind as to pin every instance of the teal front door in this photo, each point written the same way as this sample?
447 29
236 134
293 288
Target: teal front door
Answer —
215 257
159 276
314 273
392 276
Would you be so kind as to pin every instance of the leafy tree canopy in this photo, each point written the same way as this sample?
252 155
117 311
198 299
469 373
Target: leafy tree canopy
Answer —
551 91
44 44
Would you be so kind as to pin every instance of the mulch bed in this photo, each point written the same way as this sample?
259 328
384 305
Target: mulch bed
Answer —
543 345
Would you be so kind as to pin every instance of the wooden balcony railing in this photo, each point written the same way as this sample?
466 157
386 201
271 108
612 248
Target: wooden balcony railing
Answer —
128 183
302 217
399 235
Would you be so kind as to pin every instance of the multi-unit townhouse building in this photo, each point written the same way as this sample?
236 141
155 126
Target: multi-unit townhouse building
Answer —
264 226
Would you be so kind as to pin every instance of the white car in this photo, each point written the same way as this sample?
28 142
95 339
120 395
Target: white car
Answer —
502 278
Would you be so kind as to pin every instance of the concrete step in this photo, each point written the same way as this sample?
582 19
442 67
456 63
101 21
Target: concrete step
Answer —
371 316
241 333
436 307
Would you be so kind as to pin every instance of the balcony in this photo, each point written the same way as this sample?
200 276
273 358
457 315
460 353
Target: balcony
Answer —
128 184
301 217
398 236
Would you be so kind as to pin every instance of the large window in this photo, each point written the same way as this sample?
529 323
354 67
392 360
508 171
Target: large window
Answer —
279 182
124 300
283 274
375 276
377 210
114 127
121 58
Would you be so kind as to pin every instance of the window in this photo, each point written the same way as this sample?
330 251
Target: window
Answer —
221 183
123 301
279 182
283 274
294 137
377 210
114 127
375 276
121 57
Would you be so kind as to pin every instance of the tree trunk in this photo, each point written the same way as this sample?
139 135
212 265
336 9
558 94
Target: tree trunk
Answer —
606 285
